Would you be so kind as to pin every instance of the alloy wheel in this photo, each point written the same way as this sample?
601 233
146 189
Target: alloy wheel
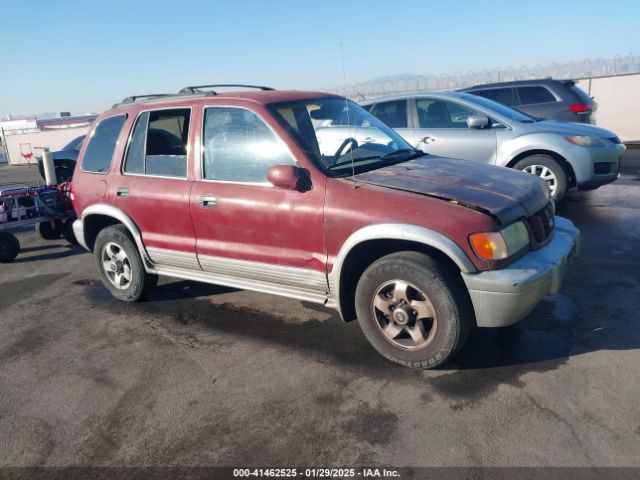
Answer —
404 314
116 265
546 174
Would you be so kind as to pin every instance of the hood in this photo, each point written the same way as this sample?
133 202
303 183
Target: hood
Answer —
502 192
62 155
572 128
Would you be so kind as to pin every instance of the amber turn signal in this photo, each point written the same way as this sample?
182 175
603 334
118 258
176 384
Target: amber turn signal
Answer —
489 246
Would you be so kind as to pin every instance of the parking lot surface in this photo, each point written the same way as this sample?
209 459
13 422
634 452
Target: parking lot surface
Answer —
205 375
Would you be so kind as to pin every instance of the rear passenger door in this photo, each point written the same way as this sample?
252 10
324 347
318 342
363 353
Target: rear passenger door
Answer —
153 186
395 113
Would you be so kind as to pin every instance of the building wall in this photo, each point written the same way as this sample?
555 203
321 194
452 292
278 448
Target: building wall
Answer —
617 99
26 143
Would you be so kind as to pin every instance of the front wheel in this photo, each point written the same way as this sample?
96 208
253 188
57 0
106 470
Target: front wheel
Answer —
549 170
413 310
120 265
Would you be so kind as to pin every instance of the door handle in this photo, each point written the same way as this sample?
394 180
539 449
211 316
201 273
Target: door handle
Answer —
427 140
368 140
208 201
122 192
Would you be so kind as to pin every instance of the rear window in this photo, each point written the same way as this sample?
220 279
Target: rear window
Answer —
504 96
393 113
99 152
158 144
582 95
535 94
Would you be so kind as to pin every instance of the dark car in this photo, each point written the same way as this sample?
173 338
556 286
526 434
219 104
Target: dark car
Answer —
242 191
546 99
64 160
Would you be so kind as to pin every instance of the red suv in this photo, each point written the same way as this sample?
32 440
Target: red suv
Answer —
270 191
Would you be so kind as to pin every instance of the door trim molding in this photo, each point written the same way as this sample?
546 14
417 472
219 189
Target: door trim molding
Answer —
299 283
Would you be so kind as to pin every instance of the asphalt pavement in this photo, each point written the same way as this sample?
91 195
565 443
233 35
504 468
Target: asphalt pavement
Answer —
206 375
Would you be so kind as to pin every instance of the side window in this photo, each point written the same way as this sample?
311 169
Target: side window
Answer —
505 96
392 113
99 152
532 95
158 144
433 113
239 147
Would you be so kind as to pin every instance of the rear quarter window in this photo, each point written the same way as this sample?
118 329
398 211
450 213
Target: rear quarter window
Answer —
535 94
102 143
504 96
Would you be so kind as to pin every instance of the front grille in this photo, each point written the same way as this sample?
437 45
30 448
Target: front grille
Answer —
602 168
615 140
541 226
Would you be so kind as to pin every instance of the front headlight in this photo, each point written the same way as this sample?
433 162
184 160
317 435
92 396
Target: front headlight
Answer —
584 141
500 245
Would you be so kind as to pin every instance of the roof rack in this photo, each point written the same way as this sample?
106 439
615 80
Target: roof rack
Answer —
198 88
133 98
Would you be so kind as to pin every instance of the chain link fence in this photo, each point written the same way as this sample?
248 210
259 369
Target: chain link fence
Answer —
599 67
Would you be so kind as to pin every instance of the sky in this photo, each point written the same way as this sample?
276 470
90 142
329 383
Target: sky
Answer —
83 56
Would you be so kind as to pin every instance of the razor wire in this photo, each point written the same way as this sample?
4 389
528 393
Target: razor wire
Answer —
584 69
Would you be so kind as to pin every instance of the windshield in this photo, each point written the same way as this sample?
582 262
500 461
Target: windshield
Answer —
499 108
74 144
340 136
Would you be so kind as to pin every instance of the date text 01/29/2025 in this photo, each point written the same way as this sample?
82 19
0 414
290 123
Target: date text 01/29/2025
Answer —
315 473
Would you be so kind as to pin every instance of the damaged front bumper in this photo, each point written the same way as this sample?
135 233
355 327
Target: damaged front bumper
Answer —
503 297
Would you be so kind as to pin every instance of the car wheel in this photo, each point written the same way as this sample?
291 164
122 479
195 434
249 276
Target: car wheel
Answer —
549 170
413 310
49 230
68 233
120 265
9 247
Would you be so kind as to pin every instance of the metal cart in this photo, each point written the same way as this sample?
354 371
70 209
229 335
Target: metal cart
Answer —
48 208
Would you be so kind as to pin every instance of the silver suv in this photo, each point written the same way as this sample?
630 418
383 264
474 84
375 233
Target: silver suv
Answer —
470 127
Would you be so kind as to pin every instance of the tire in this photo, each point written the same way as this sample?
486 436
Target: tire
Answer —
68 233
120 265
548 169
9 247
49 230
423 337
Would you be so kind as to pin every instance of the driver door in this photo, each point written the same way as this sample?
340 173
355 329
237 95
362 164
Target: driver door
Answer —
246 229
442 130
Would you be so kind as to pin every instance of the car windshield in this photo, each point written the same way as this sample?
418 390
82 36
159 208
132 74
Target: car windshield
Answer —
340 136
499 108
74 144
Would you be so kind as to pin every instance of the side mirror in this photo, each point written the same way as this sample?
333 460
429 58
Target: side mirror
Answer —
289 177
478 121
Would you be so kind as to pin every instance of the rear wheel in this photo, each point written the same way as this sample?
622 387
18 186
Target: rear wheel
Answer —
9 247
413 310
549 170
120 265
49 230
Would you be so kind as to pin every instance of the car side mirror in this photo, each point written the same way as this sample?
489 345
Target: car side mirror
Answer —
478 121
289 177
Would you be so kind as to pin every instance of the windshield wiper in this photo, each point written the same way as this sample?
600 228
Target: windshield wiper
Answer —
393 155
389 157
